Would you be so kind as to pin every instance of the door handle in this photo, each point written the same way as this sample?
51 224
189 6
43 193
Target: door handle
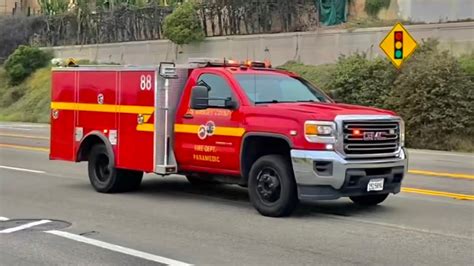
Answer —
188 116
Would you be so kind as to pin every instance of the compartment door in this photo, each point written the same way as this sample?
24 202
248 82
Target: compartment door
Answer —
63 115
135 120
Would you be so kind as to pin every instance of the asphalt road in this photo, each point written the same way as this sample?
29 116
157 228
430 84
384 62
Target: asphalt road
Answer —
168 221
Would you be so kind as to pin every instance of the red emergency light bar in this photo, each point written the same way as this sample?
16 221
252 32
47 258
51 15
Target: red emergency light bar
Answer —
217 62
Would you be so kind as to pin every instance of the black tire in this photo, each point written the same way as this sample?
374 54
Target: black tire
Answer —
369 200
200 180
105 178
272 186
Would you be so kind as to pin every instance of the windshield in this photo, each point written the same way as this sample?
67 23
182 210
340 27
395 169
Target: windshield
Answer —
265 88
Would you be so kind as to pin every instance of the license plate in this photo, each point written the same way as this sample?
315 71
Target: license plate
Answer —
375 185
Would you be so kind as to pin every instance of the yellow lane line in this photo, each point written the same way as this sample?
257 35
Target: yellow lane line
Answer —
439 174
22 136
20 147
438 193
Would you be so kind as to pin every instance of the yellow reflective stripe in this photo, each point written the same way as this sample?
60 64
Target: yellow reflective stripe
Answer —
103 108
220 131
146 127
229 131
181 128
146 118
134 109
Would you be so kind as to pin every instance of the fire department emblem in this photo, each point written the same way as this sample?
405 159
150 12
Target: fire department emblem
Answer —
100 98
206 130
55 114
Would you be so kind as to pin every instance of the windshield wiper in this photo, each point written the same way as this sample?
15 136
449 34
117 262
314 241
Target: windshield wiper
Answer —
306 101
277 101
272 101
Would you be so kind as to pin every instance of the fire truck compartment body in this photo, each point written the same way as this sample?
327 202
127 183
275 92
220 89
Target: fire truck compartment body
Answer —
120 106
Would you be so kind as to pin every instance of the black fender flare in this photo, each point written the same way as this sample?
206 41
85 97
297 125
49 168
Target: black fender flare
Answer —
104 140
243 177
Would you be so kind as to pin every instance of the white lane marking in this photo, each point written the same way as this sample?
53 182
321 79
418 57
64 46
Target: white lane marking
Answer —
24 226
22 169
19 126
4 218
117 248
24 129
398 226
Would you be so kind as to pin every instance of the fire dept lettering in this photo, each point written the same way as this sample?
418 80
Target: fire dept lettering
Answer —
211 112
205 148
206 158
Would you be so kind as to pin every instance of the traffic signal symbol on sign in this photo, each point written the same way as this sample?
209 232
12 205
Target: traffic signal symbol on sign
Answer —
398 45
398 42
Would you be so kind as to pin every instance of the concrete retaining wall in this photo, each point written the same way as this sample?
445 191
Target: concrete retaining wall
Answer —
436 10
318 47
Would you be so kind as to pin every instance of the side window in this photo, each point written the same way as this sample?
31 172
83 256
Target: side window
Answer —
218 88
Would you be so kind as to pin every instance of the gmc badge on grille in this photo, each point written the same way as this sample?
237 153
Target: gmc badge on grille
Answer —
374 135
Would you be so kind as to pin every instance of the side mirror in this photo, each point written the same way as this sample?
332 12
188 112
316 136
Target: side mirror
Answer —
334 95
199 98
230 104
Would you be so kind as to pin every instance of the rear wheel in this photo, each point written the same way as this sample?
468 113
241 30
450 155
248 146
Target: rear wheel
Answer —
369 200
272 186
105 178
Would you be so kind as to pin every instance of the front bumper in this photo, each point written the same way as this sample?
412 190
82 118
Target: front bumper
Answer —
323 175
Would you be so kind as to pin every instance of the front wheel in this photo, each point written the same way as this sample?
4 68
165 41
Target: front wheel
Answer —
272 186
105 178
369 200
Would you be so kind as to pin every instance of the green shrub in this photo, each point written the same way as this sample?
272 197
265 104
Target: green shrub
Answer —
433 92
358 80
9 94
24 61
373 7
467 65
183 25
318 75
435 97
34 105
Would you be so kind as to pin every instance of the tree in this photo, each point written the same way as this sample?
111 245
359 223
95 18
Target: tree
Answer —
183 25
53 7
24 61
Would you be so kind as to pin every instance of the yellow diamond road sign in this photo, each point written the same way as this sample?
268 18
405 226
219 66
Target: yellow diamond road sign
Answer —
398 45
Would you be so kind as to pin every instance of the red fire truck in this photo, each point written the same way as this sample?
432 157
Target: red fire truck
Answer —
221 121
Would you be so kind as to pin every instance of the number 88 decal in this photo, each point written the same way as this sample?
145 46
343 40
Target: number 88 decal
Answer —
145 82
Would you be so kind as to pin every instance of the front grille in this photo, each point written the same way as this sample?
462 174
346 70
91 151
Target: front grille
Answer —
366 138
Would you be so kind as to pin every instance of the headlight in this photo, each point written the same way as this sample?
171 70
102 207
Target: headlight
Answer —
320 131
402 133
